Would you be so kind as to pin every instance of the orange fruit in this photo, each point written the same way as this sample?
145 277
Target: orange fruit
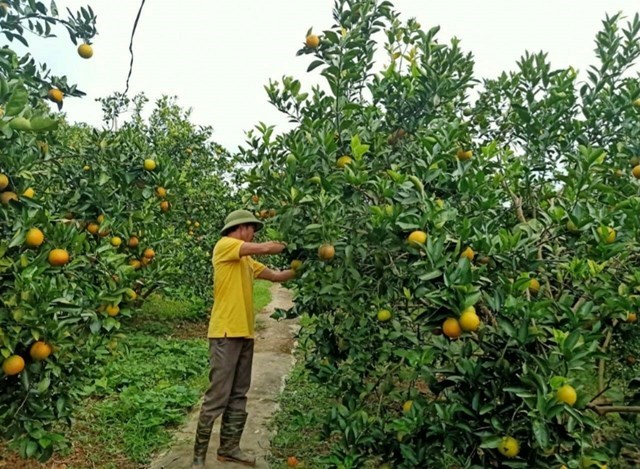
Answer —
534 286
384 315
344 161
13 365
255 199
101 218
197 224
326 252
145 261
312 41
29 193
417 238
632 317
34 238
85 51
5 197
4 182
636 171
149 253
509 447
567 394
131 294
469 320
133 242
104 233
86 167
112 310
468 253
464 155
149 164
93 228
116 241
607 234
292 461
58 257
161 192
406 407
164 206
451 328
296 264
40 350
135 263
55 95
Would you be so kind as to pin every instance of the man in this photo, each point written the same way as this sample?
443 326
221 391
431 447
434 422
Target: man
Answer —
231 334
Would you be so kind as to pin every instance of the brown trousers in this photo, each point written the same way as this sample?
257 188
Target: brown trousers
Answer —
230 361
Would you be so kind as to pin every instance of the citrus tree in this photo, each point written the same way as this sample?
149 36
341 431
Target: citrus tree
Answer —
466 267
88 225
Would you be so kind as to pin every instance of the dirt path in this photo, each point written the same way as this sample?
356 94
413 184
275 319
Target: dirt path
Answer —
271 364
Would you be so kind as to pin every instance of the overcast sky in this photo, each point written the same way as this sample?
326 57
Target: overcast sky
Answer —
216 56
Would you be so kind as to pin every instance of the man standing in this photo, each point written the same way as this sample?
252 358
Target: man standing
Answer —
231 334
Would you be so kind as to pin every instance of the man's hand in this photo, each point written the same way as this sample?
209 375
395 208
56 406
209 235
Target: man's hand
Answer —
276 247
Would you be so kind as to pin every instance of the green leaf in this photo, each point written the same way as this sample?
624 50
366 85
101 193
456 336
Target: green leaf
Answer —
17 102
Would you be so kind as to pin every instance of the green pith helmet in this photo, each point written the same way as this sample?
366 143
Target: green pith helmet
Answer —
238 217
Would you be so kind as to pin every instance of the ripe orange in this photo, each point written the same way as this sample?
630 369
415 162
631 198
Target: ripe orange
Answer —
116 241
86 167
344 161
4 182
5 197
509 447
29 193
40 350
464 155
34 238
451 328
567 394
312 41
197 224
632 317
112 310
326 252
292 461
384 315
13 365
93 228
133 242
255 199
296 264
104 233
55 95
534 286
468 253
164 206
101 218
469 320
636 171
161 192
149 253
85 51
149 164
417 238
135 263
145 261
58 257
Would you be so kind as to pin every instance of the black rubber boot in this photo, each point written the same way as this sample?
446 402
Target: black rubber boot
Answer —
230 433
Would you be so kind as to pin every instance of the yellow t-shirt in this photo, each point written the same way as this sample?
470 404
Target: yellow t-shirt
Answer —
232 314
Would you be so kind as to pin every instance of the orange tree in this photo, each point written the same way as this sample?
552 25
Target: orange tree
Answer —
466 267
85 229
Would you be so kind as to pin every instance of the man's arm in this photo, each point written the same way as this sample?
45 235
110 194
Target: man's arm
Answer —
277 275
259 249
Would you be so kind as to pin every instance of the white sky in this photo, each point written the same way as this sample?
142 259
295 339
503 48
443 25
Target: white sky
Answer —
216 56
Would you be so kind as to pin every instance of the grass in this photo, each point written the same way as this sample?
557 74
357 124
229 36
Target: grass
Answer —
303 406
157 372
